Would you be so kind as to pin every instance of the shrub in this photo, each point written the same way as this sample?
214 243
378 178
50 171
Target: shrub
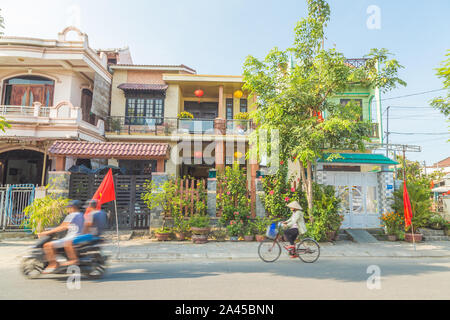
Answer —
199 221
393 222
437 222
235 228
419 194
44 213
260 225
242 116
233 200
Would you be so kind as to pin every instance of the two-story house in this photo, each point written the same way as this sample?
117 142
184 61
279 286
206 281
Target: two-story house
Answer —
50 90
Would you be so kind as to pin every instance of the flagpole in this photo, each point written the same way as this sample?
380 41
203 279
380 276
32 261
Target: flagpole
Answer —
405 179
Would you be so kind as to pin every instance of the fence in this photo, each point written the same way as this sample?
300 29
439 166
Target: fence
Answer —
191 192
131 209
13 200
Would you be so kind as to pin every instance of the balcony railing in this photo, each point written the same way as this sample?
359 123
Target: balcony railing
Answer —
170 126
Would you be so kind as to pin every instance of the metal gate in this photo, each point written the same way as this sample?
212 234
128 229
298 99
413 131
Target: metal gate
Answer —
13 200
360 198
131 209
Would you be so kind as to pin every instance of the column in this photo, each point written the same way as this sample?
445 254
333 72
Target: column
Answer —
60 163
220 130
212 200
160 166
222 111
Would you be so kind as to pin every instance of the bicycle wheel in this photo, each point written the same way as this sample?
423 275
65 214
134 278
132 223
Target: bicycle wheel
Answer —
269 251
308 251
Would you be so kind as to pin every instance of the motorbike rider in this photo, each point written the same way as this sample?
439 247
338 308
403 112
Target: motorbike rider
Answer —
94 225
73 224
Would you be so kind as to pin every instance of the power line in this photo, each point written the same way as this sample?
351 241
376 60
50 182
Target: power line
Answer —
413 94
422 133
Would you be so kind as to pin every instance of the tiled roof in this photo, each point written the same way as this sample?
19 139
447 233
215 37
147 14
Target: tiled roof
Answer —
442 164
110 150
143 87
156 66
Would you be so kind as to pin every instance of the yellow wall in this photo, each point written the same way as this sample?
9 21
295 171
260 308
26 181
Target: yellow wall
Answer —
117 96
171 105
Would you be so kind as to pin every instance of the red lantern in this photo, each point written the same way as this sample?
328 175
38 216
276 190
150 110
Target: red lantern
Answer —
199 93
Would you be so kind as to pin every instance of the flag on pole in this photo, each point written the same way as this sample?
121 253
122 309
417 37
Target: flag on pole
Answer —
106 192
407 206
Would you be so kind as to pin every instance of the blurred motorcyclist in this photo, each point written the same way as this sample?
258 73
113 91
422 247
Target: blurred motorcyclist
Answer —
73 223
94 225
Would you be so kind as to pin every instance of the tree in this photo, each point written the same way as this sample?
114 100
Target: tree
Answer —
443 103
2 23
292 97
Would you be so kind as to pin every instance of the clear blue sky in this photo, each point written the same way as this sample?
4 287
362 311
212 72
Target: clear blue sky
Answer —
214 37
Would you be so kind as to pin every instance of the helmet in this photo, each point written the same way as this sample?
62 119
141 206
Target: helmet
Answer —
92 203
75 204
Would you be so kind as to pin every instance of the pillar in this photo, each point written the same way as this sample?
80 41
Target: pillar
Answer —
160 166
60 163
222 111
212 197
220 130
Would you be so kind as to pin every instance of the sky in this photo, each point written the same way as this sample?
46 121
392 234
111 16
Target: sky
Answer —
215 37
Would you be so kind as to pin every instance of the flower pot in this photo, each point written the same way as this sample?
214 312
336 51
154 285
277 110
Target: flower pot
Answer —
331 235
200 231
260 238
391 237
417 237
234 239
199 239
180 236
162 236
249 238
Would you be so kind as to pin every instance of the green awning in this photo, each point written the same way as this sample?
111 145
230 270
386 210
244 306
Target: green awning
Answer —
360 158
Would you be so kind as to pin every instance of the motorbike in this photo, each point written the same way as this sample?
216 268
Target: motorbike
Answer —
92 262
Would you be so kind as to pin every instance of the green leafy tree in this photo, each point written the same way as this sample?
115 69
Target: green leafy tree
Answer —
2 23
291 97
443 103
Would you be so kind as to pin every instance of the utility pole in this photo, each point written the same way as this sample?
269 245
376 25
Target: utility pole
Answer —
387 133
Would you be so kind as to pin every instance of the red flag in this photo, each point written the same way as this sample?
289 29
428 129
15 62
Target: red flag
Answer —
105 192
407 206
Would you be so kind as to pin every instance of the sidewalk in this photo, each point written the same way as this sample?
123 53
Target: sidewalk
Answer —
147 250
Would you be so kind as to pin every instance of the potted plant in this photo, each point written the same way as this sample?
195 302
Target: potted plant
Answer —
200 228
392 222
260 226
185 120
249 234
163 234
234 230
437 222
241 124
181 228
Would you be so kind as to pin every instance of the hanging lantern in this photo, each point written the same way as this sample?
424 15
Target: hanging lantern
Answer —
238 94
199 94
238 155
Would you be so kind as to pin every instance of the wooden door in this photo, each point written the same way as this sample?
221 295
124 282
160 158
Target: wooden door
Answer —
19 95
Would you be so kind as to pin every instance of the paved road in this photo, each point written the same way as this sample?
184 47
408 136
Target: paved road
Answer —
330 278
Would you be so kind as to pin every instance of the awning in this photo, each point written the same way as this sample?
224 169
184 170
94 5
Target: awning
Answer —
441 189
143 87
362 158
110 150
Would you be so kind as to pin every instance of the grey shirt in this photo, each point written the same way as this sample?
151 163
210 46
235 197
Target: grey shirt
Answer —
76 222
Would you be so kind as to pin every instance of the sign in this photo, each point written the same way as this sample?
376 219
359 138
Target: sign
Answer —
390 187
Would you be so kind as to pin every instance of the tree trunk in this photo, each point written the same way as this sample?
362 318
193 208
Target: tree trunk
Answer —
310 191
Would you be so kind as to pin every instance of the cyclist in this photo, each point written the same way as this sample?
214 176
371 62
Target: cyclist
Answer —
295 226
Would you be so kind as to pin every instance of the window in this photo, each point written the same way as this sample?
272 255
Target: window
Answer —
141 108
244 107
25 90
230 106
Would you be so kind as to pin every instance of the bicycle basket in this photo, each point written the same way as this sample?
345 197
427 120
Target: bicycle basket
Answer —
272 231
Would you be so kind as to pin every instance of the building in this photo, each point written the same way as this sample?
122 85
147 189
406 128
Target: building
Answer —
51 90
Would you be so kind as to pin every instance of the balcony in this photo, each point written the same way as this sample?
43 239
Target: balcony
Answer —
172 126
56 122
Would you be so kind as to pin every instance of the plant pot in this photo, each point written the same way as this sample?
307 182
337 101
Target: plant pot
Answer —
200 231
260 238
162 236
234 239
331 235
180 236
249 238
391 237
417 237
199 239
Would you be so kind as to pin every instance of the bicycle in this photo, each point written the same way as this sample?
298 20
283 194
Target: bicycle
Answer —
308 250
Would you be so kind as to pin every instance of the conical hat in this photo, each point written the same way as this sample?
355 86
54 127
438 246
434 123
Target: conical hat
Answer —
295 205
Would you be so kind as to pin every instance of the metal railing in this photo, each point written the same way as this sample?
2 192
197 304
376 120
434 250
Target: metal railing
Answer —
16 110
169 126
357 63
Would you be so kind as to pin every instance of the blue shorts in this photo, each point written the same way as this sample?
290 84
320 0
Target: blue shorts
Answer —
84 238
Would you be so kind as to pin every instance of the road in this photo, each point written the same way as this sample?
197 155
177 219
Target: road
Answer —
330 278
